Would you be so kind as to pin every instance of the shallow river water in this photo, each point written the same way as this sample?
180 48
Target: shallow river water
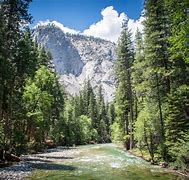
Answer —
99 162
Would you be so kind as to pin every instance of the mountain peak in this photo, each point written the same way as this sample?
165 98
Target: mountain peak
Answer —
77 57
57 25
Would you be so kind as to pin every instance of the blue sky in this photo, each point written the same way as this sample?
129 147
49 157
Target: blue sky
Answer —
80 14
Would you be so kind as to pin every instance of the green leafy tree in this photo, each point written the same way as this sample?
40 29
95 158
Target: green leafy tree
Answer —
116 134
146 128
87 132
38 99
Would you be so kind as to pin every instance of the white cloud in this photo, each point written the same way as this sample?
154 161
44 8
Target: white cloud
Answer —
110 26
134 25
57 24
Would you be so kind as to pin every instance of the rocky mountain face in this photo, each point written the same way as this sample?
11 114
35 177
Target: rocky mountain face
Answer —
78 58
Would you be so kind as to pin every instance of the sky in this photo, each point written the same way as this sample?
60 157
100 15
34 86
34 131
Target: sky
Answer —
99 18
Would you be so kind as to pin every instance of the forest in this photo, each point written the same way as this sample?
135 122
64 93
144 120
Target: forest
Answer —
150 111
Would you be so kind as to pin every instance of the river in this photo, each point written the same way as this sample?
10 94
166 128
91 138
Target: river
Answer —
97 162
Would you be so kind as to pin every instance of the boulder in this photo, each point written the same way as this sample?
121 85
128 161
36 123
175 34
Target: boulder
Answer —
50 143
164 165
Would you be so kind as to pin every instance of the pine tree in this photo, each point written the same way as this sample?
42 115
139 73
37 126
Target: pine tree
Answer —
87 90
177 111
138 74
124 95
111 113
139 89
156 41
92 109
177 123
14 15
101 117
178 14
157 60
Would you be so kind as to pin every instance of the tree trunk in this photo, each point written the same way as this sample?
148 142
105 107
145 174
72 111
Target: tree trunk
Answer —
131 110
162 133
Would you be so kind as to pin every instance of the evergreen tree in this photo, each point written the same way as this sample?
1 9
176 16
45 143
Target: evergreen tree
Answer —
177 111
138 74
111 113
124 95
157 60
102 117
179 40
177 124
14 15
92 109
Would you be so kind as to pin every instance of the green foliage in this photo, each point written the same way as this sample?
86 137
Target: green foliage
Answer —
70 124
103 121
152 85
38 100
162 89
14 53
182 155
78 129
179 20
146 129
86 118
111 113
86 130
124 94
116 134
138 73
177 124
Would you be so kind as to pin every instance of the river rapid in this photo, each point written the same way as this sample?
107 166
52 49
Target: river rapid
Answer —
96 162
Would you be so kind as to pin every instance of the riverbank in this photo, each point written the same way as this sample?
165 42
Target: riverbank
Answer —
30 163
145 156
18 171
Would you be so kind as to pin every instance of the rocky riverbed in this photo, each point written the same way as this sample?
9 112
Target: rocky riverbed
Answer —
17 172
23 170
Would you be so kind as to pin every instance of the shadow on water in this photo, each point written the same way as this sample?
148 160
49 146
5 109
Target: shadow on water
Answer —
44 164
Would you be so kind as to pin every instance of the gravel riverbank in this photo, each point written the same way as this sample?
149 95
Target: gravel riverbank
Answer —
16 172
23 170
